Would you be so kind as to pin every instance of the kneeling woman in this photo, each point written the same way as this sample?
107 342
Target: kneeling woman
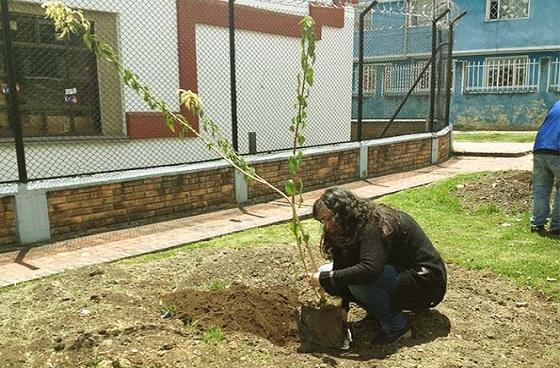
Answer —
381 260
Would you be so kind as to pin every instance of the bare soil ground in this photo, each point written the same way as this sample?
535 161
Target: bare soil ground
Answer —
118 315
510 191
110 316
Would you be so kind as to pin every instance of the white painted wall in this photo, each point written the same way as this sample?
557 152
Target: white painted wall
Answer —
267 66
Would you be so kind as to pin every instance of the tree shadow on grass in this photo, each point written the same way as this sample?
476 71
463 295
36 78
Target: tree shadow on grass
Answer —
427 326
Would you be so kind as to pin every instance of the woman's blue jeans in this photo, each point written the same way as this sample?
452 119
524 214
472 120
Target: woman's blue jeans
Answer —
546 175
377 297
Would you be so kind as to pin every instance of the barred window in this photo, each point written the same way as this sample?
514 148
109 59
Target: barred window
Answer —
554 73
507 9
507 72
398 79
56 79
368 80
501 75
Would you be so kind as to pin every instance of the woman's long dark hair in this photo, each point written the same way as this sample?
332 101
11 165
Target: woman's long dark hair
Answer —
351 214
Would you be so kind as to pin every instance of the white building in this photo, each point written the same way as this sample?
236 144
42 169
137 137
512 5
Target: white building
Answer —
78 118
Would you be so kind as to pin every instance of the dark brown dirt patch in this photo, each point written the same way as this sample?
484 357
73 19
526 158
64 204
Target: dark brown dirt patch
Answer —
509 191
262 312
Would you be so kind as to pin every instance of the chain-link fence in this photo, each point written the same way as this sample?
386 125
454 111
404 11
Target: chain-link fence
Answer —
69 114
404 52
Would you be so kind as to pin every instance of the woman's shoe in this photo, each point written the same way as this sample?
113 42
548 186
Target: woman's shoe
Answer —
347 340
383 338
538 229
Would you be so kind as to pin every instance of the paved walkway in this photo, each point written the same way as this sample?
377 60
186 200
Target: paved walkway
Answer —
54 258
494 149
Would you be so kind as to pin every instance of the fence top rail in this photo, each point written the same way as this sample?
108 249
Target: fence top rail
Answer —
11 189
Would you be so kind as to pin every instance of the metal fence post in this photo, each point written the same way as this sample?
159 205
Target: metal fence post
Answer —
233 81
433 76
450 74
435 50
13 105
361 69
450 66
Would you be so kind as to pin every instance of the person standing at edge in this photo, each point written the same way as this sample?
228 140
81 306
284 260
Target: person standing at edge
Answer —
546 173
382 260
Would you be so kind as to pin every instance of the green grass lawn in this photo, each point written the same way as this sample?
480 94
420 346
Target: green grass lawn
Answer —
486 239
495 137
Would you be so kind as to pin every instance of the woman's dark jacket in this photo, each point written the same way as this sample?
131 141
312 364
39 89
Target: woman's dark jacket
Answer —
422 275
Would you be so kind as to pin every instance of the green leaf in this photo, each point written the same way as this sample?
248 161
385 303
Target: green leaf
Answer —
306 238
87 40
290 187
294 228
133 83
294 163
127 76
300 139
169 122
300 191
309 76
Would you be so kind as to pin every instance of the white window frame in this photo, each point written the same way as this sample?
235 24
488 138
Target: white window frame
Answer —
414 68
369 76
501 63
554 75
370 79
498 19
478 75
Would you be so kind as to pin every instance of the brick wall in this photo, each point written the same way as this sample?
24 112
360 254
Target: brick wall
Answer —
73 212
7 221
140 201
444 147
317 171
372 130
399 157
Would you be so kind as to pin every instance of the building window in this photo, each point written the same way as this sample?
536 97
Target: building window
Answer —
398 79
506 72
57 80
507 9
368 79
555 75
421 12
501 75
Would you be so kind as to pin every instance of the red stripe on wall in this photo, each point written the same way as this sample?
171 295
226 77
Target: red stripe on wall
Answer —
142 125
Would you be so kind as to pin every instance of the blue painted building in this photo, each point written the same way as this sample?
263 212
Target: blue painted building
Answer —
506 60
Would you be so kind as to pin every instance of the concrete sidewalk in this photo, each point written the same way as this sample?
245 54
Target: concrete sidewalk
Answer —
57 257
492 149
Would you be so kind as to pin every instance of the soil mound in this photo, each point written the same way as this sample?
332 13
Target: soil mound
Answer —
510 191
269 313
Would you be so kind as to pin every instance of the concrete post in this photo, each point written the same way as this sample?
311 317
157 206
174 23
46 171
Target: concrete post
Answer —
363 161
240 186
32 216
435 149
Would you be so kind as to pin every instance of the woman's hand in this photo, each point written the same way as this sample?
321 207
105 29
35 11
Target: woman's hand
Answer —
313 279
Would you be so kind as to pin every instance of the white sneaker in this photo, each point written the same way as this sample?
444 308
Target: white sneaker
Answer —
347 340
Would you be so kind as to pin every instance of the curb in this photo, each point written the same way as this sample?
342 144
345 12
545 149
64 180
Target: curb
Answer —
492 154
